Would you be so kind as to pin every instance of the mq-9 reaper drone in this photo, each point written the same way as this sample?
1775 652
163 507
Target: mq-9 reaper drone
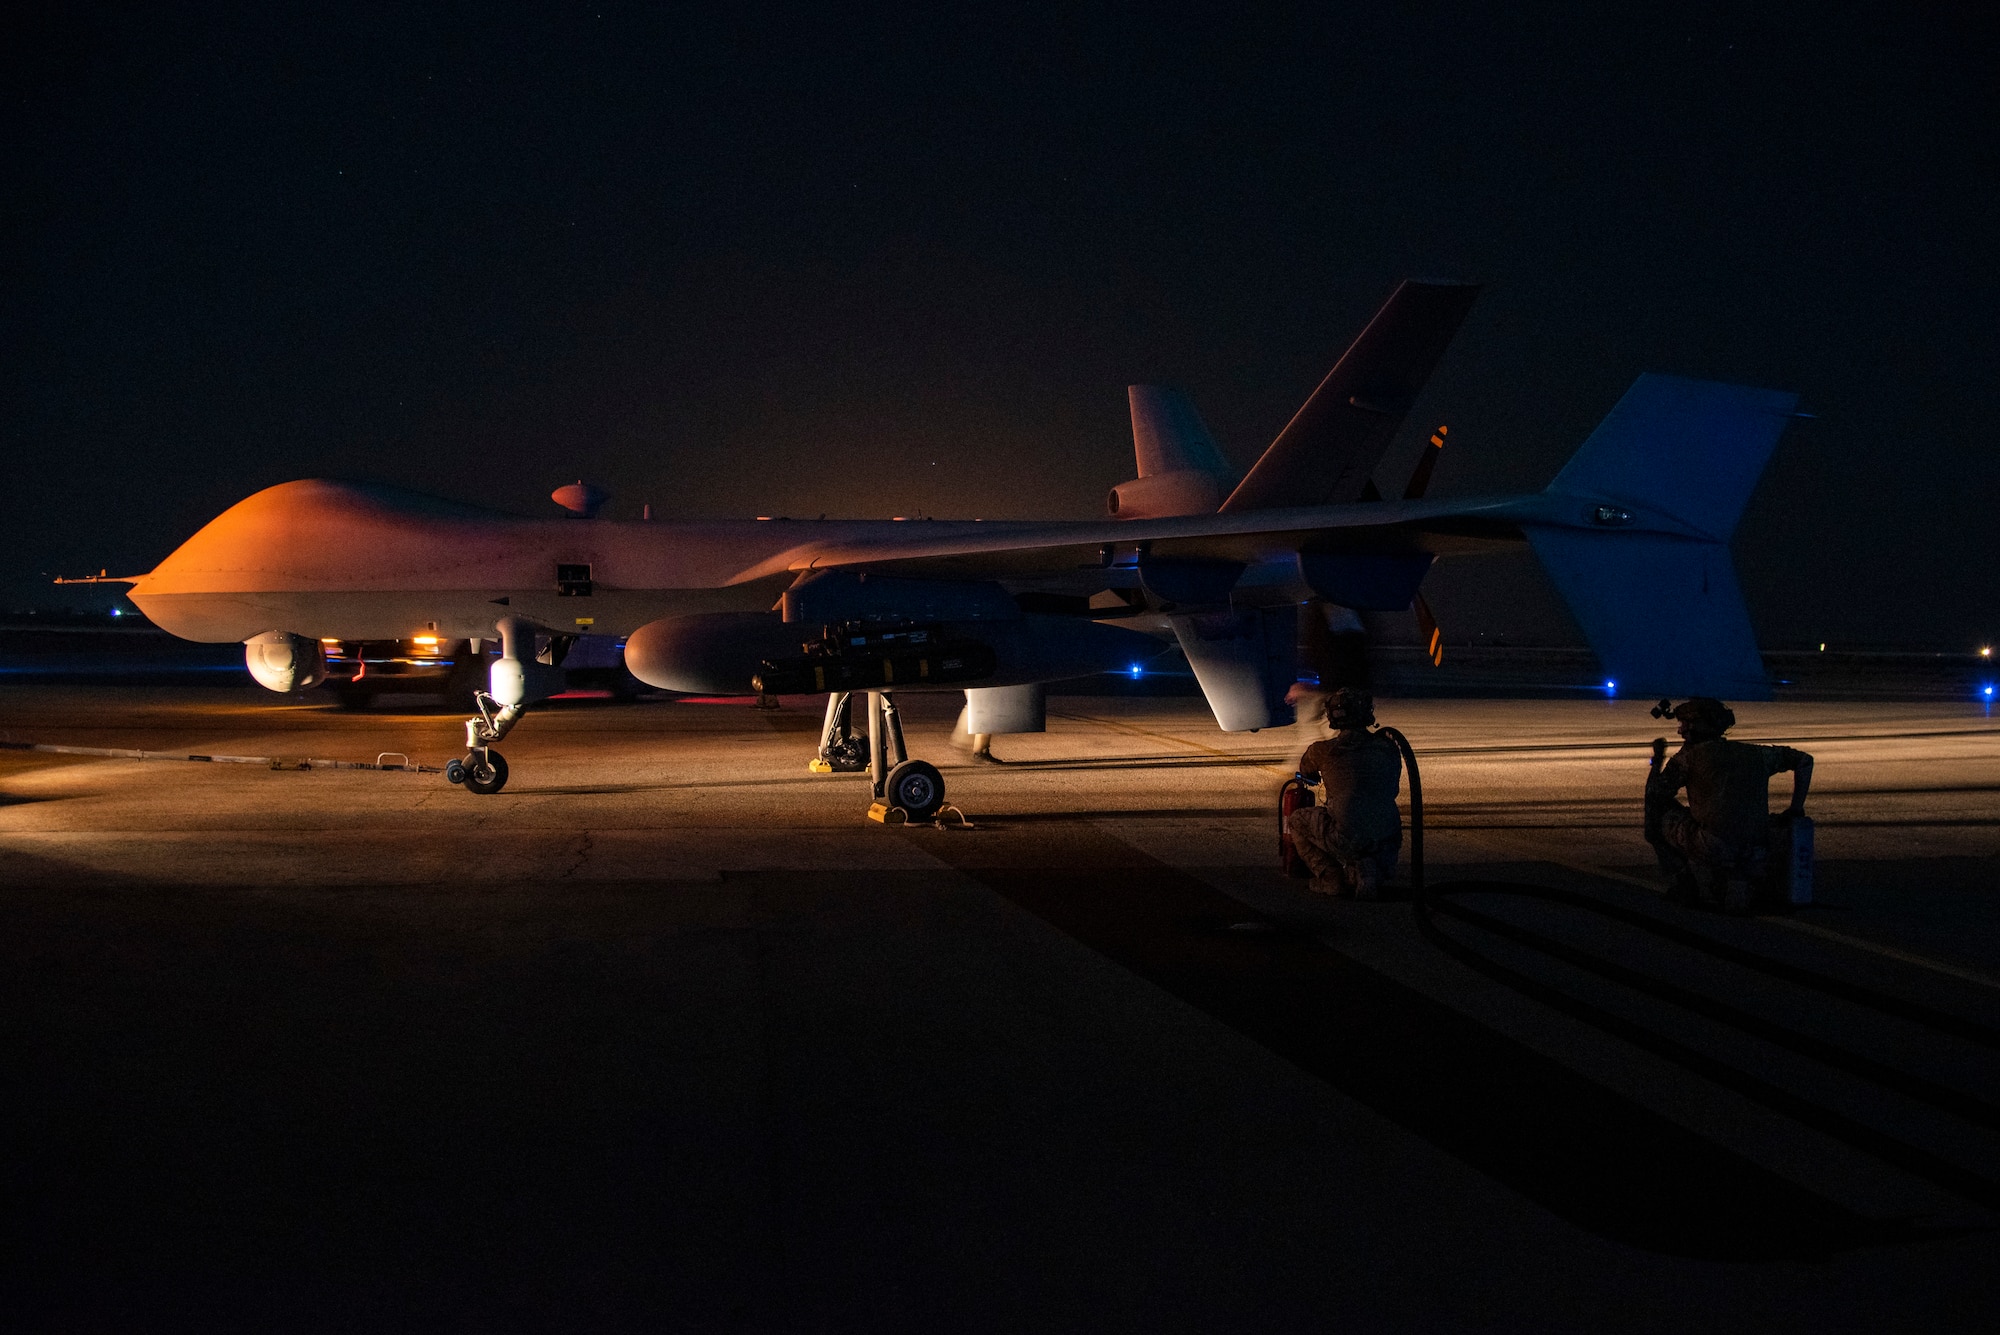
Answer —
1634 532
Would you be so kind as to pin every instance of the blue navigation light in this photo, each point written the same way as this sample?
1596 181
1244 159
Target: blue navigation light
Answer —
1611 686
1135 672
1987 692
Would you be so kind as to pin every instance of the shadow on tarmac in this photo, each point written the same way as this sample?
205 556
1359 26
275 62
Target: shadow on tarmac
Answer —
1590 1155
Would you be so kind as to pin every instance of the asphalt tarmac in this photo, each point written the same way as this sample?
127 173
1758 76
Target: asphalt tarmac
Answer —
668 1036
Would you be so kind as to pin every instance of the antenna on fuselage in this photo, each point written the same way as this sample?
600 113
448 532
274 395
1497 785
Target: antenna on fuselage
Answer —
582 499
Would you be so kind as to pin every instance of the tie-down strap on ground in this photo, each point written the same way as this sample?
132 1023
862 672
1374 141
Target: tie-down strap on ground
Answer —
269 762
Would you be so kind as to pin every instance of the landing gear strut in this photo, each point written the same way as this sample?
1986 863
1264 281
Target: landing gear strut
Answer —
484 770
913 785
840 751
895 780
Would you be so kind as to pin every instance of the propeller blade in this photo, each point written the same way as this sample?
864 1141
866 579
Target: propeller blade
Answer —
1427 623
1420 480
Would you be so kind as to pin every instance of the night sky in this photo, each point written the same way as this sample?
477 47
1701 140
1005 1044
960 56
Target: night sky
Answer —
740 261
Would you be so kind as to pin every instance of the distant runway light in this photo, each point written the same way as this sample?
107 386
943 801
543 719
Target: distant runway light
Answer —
1986 652
1611 686
1987 692
1135 673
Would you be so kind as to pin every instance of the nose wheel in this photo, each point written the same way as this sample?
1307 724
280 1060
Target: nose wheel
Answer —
482 771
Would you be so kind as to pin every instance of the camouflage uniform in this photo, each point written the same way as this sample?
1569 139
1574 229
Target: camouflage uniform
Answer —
1351 839
1723 830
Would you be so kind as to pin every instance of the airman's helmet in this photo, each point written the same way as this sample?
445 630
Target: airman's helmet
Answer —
1349 708
1706 715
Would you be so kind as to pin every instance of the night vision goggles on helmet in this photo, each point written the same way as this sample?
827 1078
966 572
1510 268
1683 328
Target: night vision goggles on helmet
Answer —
1701 713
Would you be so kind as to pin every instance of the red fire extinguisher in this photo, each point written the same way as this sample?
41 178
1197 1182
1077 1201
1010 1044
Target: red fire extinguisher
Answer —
1295 795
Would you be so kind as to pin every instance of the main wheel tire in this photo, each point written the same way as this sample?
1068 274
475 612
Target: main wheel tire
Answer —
916 787
488 776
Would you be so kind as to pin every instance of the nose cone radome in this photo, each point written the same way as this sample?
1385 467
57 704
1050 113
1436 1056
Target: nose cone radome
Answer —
318 533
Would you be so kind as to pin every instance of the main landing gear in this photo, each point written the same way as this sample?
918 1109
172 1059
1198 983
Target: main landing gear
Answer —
896 781
840 751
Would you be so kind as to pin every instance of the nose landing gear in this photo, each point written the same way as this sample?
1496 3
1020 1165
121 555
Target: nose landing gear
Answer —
487 773
483 771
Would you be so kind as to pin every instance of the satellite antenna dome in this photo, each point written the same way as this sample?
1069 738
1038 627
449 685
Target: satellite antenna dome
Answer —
580 498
